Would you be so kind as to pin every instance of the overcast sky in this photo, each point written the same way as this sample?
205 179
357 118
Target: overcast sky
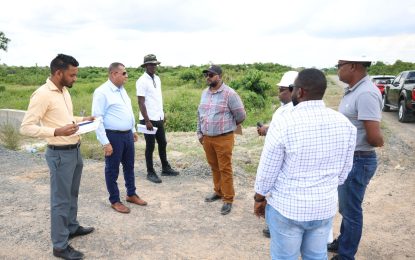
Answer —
191 32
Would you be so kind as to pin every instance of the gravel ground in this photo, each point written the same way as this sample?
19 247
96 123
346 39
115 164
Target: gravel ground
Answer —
177 223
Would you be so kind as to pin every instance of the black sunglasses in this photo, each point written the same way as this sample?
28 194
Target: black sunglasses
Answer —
210 75
291 87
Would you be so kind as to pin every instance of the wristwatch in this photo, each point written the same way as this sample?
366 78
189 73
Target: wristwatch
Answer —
259 200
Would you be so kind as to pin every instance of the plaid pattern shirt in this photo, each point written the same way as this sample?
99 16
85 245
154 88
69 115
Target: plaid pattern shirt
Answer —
308 152
219 111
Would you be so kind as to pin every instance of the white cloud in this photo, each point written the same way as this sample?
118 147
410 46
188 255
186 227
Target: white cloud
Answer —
186 32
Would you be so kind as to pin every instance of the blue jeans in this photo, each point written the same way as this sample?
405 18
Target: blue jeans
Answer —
289 237
351 195
123 152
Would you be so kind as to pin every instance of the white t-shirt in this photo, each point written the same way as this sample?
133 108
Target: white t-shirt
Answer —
150 88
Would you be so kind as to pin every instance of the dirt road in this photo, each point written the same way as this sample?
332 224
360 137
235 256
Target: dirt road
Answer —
177 223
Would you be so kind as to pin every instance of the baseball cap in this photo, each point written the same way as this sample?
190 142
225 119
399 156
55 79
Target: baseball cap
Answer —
214 69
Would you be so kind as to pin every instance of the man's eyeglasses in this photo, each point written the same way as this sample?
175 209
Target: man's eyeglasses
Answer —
123 73
291 87
210 75
341 64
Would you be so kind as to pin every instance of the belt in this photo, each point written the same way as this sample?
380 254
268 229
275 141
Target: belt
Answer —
360 153
64 147
118 131
227 133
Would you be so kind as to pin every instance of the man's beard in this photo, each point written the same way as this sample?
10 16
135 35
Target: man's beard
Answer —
295 101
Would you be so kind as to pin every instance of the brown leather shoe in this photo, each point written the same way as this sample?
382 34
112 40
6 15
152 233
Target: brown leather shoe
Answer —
136 200
118 206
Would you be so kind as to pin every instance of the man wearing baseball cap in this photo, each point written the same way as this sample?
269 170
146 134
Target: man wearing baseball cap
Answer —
362 105
150 101
219 113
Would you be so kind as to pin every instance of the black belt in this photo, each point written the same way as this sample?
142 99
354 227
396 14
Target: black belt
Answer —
227 133
360 153
118 131
64 147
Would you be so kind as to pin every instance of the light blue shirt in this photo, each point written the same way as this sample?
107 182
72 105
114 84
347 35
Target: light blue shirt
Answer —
114 106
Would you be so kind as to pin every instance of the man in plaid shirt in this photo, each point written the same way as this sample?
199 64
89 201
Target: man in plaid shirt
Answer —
219 113
308 152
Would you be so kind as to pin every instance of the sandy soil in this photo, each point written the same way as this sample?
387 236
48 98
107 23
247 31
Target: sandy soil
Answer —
177 223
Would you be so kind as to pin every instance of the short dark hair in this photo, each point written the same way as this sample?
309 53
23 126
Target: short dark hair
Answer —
62 62
114 66
312 80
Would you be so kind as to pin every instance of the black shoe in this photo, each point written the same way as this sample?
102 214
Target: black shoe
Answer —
226 208
68 253
168 171
333 246
212 197
81 231
152 176
266 232
336 257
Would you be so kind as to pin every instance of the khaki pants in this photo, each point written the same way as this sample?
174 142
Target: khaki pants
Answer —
218 151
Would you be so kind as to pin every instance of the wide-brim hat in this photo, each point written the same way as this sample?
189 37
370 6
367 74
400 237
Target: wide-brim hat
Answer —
150 59
357 59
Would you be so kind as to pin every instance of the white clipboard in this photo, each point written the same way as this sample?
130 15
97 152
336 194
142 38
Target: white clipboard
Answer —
143 129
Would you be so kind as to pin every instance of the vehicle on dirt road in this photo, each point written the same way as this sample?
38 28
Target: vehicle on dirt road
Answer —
400 94
381 80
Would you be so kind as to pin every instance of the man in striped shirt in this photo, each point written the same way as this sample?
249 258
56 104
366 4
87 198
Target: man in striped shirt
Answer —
219 113
308 152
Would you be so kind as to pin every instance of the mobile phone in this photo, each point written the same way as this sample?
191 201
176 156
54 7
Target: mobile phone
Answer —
259 124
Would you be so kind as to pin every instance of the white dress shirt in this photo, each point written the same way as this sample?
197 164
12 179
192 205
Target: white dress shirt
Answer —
308 152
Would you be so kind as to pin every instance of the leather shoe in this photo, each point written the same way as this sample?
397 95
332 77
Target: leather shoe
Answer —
168 171
212 197
266 232
152 176
81 231
333 246
336 257
118 206
226 208
68 253
136 200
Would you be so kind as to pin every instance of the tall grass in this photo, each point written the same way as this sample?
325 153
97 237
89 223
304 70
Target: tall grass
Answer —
9 136
182 87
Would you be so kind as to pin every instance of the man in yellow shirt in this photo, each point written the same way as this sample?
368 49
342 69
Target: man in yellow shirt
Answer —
51 106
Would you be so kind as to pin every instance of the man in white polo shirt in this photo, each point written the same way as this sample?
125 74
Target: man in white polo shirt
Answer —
150 101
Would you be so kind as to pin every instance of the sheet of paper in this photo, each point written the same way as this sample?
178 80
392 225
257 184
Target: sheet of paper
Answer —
88 126
143 129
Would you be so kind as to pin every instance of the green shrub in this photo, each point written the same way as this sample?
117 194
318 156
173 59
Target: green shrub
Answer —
181 111
252 81
2 88
251 100
190 75
9 136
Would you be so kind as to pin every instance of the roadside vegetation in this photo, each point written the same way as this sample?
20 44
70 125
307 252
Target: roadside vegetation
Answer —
182 88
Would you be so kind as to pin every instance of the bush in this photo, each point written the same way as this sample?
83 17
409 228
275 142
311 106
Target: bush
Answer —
2 88
252 81
251 100
181 112
9 136
190 75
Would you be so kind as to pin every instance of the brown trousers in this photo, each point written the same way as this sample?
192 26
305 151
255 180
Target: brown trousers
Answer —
218 151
